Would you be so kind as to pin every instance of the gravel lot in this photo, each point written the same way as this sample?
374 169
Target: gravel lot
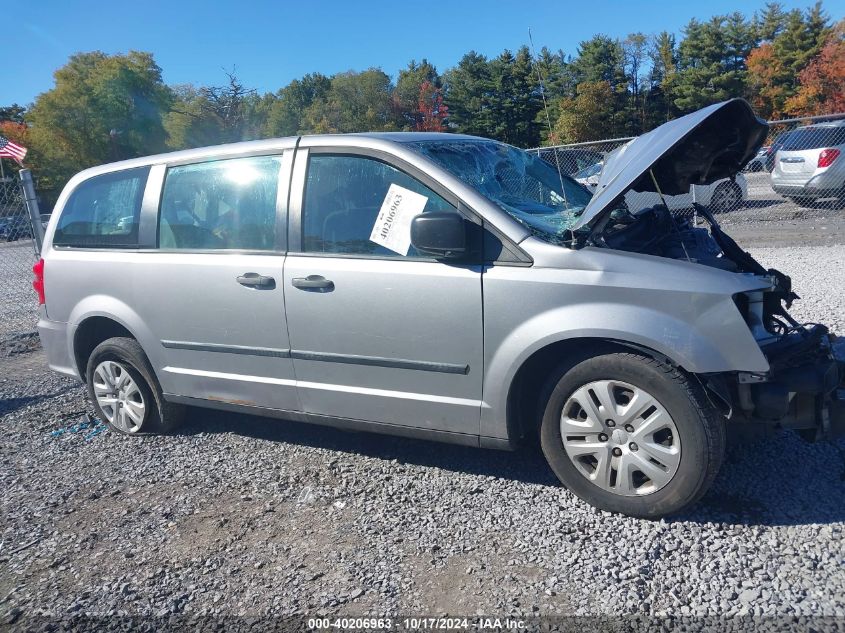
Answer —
242 515
17 309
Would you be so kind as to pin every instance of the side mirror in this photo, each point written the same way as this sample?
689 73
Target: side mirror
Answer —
439 233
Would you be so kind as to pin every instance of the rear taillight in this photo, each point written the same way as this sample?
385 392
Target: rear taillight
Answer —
38 283
827 156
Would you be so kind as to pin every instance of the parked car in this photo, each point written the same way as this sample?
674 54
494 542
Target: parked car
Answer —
15 228
758 163
773 149
809 165
722 196
439 286
570 160
45 220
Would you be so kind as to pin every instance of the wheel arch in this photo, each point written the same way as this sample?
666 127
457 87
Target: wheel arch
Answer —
523 413
98 317
92 331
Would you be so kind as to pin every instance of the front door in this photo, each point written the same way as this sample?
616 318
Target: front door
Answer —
377 334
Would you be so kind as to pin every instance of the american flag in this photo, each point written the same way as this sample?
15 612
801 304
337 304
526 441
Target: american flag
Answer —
10 149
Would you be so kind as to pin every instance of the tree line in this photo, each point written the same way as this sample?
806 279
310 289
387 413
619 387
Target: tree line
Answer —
109 107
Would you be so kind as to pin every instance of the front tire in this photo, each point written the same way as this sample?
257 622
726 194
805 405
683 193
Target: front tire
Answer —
125 392
727 197
630 434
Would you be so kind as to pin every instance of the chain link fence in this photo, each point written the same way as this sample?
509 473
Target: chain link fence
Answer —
19 307
793 189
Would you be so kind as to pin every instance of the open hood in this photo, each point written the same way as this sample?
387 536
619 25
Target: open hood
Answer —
697 149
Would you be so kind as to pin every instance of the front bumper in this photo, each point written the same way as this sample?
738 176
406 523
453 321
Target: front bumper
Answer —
805 388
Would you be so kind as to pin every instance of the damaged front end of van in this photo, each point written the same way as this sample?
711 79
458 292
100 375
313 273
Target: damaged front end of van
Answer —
802 387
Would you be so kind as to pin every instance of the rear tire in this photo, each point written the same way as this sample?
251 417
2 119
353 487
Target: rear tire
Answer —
801 202
125 392
664 458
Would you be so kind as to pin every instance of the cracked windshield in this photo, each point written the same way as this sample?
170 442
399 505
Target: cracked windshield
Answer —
525 186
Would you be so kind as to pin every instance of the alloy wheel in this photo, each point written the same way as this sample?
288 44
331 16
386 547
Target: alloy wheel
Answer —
727 197
119 397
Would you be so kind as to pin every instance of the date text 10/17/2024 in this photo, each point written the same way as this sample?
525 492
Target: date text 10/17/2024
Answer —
479 623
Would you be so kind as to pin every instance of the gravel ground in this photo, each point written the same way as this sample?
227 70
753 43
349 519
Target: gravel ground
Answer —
17 308
243 515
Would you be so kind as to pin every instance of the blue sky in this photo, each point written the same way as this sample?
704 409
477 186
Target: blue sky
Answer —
270 43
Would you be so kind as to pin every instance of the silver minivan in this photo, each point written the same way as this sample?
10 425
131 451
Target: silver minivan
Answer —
444 287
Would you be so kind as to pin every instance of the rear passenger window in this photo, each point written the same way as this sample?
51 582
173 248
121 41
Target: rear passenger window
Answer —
103 211
224 204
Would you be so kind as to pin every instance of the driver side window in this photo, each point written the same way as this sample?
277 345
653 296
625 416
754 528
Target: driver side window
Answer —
343 197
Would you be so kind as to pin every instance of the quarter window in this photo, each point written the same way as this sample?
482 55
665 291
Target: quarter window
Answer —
343 197
103 211
224 204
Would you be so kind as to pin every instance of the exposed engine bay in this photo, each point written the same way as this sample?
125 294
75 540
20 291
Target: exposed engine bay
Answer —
805 386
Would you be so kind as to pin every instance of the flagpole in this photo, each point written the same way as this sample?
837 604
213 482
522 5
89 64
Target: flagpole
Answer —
2 171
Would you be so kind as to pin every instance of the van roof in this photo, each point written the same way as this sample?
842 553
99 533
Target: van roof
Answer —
264 145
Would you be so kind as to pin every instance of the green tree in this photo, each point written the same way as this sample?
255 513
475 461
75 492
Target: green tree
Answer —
634 56
467 91
515 101
355 102
602 59
101 108
286 109
14 113
769 22
659 106
554 75
499 98
588 116
211 115
711 61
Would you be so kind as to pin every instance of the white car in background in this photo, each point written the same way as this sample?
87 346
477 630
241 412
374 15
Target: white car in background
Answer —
720 197
809 165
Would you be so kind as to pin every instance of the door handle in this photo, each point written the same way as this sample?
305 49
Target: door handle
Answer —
254 280
313 282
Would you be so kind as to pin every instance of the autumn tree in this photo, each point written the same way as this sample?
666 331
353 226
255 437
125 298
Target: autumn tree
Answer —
774 67
408 93
822 82
431 109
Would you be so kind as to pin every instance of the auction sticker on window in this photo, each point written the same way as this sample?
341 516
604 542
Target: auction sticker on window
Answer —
393 224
